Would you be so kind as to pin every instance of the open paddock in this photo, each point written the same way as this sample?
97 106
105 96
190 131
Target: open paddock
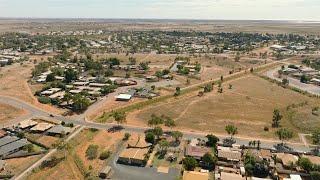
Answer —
249 105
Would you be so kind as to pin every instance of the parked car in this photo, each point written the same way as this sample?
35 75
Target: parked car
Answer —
115 129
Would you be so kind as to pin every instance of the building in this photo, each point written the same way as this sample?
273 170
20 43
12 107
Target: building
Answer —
197 151
41 127
287 159
133 156
228 154
27 124
193 175
105 172
229 176
293 177
13 147
7 140
59 130
123 97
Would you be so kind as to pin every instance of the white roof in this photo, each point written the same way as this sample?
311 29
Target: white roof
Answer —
124 96
27 123
42 127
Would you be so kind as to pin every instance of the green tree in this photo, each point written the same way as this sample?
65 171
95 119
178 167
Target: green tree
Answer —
50 77
119 116
158 132
189 163
316 136
231 130
284 134
67 97
150 137
276 118
177 135
212 140
163 145
70 75
80 103
155 120
92 152
209 160
305 163
169 122
178 91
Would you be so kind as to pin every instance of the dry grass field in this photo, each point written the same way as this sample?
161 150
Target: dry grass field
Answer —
76 156
249 105
8 112
14 83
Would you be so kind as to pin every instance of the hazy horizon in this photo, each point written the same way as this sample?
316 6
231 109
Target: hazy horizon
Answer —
274 10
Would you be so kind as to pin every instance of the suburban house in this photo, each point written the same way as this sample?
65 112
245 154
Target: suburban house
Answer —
197 151
41 127
229 154
27 124
133 156
59 130
287 159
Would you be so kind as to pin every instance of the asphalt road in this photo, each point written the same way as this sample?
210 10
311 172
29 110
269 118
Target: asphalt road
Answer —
36 112
310 88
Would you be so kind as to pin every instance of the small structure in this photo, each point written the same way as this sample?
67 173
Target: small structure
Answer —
105 172
59 130
133 156
193 175
123 97
27 124
41 127
293 177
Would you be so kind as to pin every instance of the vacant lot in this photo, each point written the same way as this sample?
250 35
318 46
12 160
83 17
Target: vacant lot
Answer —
249 105
14 83
76 164
8 112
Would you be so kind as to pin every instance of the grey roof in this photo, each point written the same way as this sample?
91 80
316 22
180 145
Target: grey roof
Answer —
7 139
10 148
131 92
58 129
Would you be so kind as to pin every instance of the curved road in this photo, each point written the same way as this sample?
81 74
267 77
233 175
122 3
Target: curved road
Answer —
35 112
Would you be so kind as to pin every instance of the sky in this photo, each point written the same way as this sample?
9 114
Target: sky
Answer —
308 10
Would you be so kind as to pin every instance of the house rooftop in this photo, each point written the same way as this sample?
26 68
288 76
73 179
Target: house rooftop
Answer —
42 127
287 159
229 154
231 176
7 140
197 151
9 148
134 153
193 175
59 129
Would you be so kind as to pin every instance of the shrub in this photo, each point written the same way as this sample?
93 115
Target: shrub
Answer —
92 152
44 100
266 128
126 136
105 155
